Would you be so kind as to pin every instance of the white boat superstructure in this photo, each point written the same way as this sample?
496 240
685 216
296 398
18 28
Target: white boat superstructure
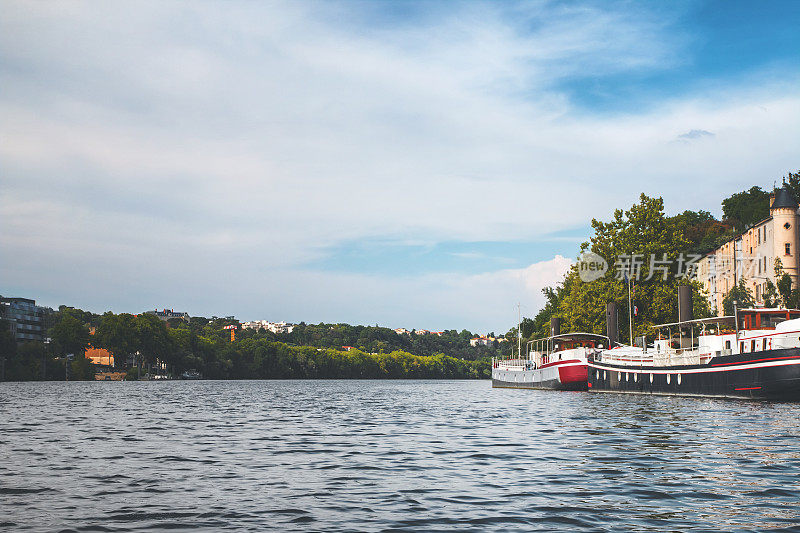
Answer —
557 362
759 330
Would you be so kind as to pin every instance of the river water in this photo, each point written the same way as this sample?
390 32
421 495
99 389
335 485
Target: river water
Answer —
389 455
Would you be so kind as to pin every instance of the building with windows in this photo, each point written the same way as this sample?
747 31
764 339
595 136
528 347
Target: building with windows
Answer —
27 321
166 314
485 341
274 327
752 256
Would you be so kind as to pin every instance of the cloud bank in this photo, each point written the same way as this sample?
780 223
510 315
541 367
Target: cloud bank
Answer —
204 156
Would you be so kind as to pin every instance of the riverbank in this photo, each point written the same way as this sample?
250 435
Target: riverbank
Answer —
260 358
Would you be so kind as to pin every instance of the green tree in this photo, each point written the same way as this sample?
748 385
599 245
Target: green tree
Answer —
642 232
8 345
81 369
541 322
785 290
703 232
745 208
771 297
528 327
152 340
117 334
70 335
742 295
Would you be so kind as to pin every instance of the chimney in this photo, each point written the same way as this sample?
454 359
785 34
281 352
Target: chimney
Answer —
771 198
555 326
612 328
684 303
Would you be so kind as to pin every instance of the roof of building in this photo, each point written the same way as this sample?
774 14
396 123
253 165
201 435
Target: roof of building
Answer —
784 198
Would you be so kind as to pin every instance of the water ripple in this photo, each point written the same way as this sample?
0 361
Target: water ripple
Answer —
389 456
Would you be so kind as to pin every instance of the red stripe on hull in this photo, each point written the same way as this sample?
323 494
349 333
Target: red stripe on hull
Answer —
756 361
556 363
571 374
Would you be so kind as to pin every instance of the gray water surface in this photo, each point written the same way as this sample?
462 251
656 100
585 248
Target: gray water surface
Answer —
389 455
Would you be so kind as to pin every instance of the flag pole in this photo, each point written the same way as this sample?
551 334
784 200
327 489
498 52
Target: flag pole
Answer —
630 311
519 331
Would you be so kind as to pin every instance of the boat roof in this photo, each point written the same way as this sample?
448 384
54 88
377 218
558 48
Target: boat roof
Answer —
769 310
711 320
571 336
730 318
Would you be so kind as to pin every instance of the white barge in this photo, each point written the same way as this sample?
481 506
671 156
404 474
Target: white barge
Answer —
558 362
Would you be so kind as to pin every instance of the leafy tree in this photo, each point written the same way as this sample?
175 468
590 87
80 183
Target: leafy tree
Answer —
703 232
742 295
643 231
528 327
785 290
789 295
153 341
70 335
117 334
745 208
771 297
8 345
81 369
541 322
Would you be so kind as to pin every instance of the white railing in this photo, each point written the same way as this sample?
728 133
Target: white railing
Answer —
510 362
670 358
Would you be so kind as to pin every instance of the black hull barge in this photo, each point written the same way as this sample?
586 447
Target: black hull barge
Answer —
765 375
758 358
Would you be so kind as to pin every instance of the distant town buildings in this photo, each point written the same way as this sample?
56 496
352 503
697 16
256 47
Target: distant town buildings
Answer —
274 327
775 237
166 314
27 321
485 341
404 331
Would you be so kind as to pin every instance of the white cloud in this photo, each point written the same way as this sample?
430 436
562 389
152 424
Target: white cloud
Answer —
205 152
479 302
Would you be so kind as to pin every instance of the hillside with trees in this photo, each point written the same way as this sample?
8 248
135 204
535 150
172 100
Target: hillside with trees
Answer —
310 351
375 339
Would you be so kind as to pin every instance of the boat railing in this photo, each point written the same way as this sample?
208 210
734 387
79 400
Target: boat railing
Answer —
512 362
678 357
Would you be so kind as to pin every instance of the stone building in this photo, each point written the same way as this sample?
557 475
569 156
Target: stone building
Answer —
755 252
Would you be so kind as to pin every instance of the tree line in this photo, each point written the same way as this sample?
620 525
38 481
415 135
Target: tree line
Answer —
375 339
311 351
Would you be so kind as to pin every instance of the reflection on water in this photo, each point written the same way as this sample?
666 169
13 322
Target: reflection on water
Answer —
376 455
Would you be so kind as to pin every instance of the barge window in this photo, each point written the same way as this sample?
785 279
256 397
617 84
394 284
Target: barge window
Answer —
752 346
727 345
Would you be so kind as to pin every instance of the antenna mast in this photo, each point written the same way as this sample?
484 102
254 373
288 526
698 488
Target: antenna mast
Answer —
519 331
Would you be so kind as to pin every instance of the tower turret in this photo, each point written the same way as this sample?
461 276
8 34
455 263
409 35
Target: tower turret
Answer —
783 210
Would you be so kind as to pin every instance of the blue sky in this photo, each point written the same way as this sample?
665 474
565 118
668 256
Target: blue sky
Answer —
415 164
